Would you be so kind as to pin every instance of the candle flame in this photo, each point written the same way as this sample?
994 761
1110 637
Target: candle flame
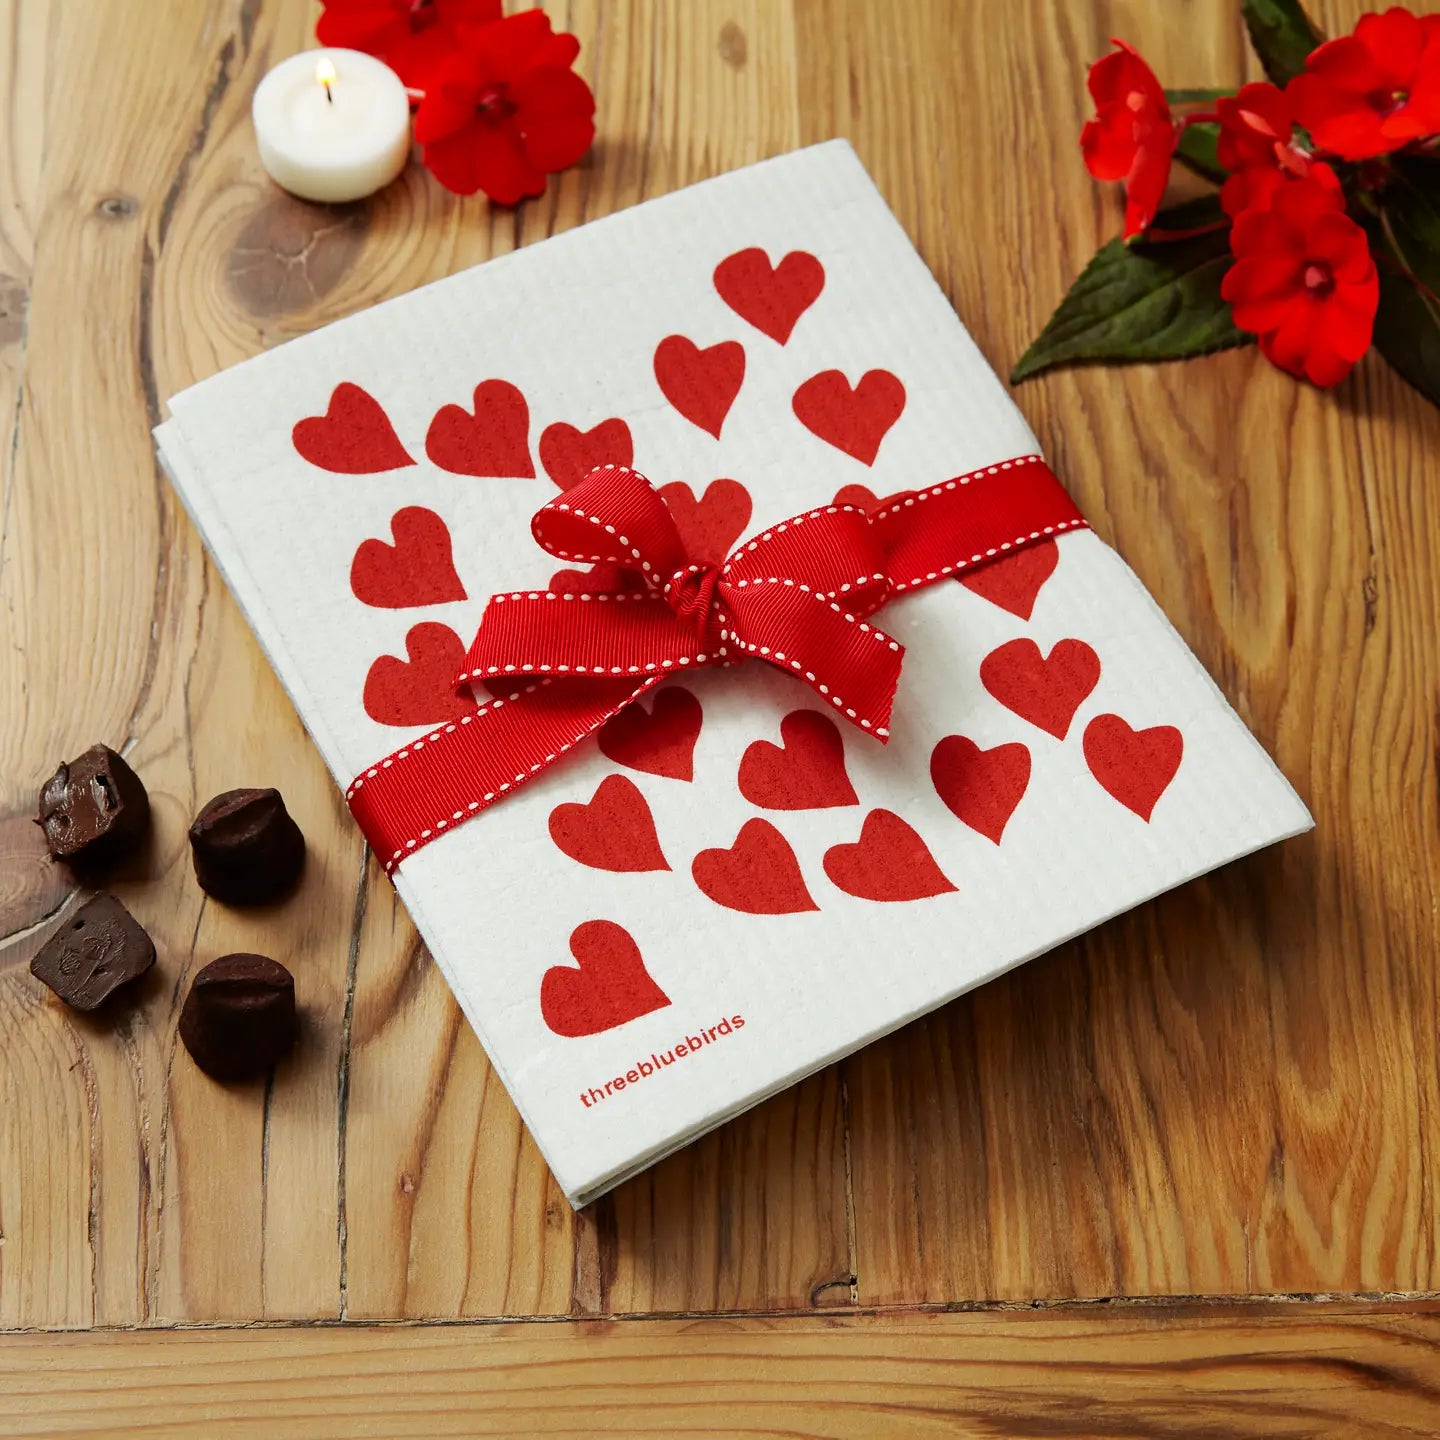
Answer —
325 71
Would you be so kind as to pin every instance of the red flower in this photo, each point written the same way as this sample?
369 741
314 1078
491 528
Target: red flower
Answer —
1257 144
1304 282
1374 91
1254 188
411 36
1255 126
507 111
1132 137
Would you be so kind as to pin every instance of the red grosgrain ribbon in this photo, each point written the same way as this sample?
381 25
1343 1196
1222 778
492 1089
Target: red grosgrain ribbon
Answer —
797 596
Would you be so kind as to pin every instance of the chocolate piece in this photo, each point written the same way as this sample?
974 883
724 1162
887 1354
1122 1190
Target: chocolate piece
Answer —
239 1017
246 847
94 807
99 948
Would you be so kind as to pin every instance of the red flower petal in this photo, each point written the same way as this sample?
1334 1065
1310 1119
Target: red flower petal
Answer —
1108 143
558 50
1286 345
1250 189
1344 65
1305 202
448 106
1263 231
1117 76
1341 243
511 45
553 92
557 144
1394 41
484 157
361 24
1350 326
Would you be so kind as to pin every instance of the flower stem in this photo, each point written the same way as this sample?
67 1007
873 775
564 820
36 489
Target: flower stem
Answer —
1164 237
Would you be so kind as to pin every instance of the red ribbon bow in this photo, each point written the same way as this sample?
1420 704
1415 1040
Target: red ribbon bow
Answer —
796 596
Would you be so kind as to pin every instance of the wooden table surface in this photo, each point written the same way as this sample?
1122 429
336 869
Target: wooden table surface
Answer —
1192 1154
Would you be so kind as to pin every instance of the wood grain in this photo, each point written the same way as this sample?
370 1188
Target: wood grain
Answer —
1147 1371
1230 1091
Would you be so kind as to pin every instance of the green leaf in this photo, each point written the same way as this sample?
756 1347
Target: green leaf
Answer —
1282 34
1407 334
1146 301
1204 95
1411 205
1406 240
1197 149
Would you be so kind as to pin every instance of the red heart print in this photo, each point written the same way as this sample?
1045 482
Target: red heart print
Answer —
421 689
771 299
709 526
569 455
700 384
1045 690
1014 582
353 437
493 439
805 771
418 569
600 579
758 874
980 787
855 421
661 740
614 831
1135 766
888 862
610 988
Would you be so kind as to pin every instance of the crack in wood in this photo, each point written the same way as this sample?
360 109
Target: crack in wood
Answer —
152 1277
852 1247
342 1085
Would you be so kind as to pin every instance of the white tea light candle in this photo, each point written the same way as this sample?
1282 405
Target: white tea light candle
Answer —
332 125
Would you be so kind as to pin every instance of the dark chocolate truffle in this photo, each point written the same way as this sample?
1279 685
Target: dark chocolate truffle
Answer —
94 807
99 948
239 1017
246 847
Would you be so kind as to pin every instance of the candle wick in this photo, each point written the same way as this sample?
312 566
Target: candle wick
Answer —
329 98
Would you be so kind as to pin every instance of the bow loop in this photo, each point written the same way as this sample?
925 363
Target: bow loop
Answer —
612 516
835 550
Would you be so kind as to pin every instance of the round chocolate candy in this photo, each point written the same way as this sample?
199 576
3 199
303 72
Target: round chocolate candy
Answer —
93 807
239 1017
246 847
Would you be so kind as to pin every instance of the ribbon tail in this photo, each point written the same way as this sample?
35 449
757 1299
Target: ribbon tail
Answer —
530 633
450 775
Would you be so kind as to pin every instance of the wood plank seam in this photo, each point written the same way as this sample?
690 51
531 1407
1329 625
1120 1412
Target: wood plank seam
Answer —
1192 1306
